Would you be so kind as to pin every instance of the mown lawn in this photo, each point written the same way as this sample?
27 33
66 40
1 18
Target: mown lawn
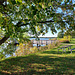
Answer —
49 62
72 41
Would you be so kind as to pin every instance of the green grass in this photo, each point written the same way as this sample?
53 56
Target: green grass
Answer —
48 62
72 41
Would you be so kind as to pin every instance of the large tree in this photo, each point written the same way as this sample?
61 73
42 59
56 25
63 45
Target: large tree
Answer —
35 17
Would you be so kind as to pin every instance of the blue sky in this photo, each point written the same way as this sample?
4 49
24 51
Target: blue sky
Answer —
49 34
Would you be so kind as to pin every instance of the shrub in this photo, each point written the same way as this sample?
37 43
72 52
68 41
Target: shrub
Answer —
64 41
57 43
54 39
34 49
27 49
23 49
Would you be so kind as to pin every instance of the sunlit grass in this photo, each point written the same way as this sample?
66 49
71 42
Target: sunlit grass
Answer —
41 63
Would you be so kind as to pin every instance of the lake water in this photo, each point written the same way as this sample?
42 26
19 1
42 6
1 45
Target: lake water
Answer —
41 39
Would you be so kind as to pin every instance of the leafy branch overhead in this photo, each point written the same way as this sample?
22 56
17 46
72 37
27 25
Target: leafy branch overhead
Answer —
35 16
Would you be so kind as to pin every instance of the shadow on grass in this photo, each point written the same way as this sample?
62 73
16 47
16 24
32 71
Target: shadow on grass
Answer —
38 65
60 52
55 51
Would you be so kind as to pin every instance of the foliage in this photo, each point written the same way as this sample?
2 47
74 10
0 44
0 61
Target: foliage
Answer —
23 37
34 49
60 34
9 47
35 16
70 32
24 49
67 37
28 49
57 43
2 56
64 41
73 34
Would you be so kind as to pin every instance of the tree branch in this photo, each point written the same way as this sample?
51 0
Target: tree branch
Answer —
4 39
19 23
46 21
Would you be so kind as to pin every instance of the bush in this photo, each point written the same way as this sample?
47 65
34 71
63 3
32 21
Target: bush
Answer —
64 41
67 41
54 39
57 43
24 49
34 49
28 49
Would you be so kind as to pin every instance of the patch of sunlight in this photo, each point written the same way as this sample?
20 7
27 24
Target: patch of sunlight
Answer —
51 55
57 55
57 63
70 70
40 70
5 71
68 55
44 54
15 68
49 67
37 65
41 67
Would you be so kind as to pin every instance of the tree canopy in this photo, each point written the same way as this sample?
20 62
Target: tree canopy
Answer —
35 17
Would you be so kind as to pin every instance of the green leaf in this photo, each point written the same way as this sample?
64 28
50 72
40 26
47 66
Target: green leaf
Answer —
18 1
50 4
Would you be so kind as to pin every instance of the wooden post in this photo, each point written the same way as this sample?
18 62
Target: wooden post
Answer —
58 50
51 41
37 44
63 50
71 50
46 42
68 48
41 42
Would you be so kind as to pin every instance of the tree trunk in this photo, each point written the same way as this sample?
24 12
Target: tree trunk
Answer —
3 39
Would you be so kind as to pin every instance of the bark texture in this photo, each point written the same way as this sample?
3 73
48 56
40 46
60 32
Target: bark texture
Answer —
3 39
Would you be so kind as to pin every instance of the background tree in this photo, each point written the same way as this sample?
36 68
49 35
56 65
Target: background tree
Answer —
73 34
69 32
60 34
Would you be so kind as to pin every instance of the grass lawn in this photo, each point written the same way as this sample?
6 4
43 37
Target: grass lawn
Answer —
73 41
49 62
